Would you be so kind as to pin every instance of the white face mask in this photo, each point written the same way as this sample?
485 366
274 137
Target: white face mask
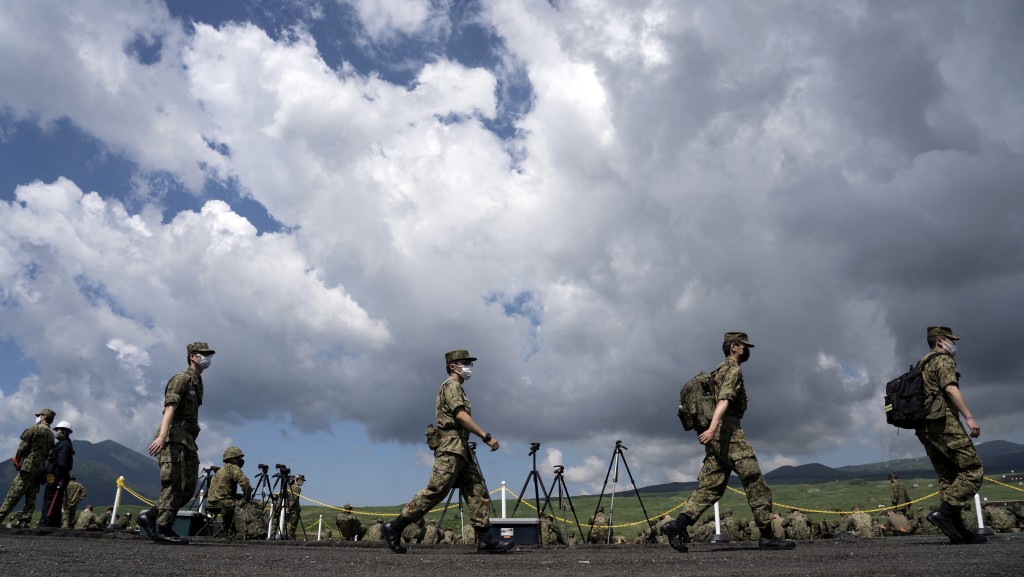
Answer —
464 372
204 361
949 345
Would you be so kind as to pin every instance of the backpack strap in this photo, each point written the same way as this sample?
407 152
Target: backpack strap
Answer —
928 358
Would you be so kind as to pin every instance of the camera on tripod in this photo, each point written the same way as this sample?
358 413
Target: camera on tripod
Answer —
263 467
534 447
282 471
559 469
211 469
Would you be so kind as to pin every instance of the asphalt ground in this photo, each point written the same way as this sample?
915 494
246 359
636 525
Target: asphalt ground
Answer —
53 552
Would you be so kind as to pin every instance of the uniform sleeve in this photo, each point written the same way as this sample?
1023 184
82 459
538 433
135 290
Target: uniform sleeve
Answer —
728 384
453 398
945 371
243 482
176 389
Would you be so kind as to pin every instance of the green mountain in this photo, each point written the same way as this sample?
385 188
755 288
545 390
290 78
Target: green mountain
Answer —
998 456
98 465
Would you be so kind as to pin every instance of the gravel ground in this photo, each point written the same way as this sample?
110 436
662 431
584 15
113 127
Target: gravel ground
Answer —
80 554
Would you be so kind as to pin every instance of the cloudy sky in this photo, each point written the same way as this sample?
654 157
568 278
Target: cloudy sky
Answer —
585 194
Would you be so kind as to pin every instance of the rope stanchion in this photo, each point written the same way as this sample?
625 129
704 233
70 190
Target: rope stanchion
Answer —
121 484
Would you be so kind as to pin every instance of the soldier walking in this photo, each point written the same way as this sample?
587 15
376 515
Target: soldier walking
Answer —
175 446
453 463
726 450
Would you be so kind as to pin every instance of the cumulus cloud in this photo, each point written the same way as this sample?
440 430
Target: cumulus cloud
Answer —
829 178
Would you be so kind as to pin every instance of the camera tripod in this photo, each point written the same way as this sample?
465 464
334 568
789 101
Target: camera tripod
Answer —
262 486
281 506
617 456
203 495
563 492
203 489
534 447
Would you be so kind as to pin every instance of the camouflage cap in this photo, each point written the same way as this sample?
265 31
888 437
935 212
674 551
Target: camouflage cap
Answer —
44 412
200 347
457 355
300 478
737 337
947 332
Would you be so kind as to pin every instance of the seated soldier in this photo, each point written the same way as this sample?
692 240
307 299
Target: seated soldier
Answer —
349 525
224 497
87 520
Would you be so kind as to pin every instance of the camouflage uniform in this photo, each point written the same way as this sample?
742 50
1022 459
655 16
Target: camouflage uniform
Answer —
549 533
799 525
223 493
900 498
947 444
999 519
599 532
732 526
294 506
73 495
859 523
453 464
413 533
348 524
124 523
704 532
179 459
87 520
431 535
32 454
730 451
373 532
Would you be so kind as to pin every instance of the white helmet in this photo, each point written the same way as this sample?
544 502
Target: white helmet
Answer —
63 425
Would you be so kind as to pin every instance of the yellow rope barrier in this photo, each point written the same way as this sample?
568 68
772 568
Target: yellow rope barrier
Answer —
122 484
879 509
1004 484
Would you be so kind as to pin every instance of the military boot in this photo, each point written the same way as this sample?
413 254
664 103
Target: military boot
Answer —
392 533
147 521
485 543
943 519
768 540
677 534
968 537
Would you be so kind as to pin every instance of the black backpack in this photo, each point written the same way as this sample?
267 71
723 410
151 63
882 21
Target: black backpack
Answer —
906 405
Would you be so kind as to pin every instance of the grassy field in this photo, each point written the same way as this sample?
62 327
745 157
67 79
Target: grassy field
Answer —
817 500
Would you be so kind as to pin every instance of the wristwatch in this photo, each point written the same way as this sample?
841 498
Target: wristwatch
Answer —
487 438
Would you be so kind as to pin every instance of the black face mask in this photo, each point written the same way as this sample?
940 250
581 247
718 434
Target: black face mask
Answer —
241 463
745 355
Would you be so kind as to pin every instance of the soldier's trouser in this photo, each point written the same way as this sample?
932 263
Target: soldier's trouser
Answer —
452 471
729 451
957 464
68 520
24 485
179 474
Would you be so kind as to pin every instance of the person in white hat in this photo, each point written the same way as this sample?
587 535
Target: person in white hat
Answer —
58 475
